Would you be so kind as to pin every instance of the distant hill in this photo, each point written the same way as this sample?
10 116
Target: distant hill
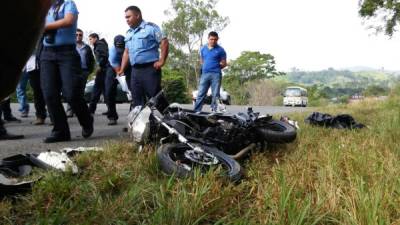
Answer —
342 78
360 68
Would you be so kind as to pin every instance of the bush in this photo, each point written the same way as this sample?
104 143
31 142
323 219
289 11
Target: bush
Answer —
375 90
395 91
265 92
174 87
238 91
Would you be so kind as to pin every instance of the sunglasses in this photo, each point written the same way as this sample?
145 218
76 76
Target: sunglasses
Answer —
80 35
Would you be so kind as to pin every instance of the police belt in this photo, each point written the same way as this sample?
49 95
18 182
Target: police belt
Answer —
143 65
60 48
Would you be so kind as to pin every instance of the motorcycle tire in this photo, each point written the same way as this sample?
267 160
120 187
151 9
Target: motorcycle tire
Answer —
172 160
275 131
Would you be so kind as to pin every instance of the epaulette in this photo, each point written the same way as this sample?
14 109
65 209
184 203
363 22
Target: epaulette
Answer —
152 24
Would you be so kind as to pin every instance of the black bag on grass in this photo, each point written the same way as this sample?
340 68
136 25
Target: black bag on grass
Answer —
341 121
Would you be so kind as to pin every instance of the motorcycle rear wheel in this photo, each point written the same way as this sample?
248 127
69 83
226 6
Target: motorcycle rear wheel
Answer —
275 131
172 160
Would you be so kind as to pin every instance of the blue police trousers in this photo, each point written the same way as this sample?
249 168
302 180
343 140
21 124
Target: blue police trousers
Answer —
60 72
145 82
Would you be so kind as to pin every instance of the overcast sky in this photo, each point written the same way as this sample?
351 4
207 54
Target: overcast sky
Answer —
307 34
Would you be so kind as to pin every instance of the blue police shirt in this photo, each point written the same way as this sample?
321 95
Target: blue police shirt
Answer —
66 35
115 56
143 42
211 58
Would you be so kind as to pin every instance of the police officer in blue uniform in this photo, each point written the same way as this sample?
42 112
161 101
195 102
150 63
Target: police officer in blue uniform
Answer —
142 43
60 71
110 91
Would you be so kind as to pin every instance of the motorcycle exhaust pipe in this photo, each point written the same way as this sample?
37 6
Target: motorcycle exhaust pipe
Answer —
243 152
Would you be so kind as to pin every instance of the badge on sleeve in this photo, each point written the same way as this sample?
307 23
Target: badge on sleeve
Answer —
158 35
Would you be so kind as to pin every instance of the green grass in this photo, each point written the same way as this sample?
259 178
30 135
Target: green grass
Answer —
326 176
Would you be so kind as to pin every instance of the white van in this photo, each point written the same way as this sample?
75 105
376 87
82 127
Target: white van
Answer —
295 96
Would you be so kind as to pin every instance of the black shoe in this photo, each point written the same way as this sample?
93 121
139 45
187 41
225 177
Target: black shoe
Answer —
104 113
53 139
112 122
8 136
12 119
24 114
70 114
88 131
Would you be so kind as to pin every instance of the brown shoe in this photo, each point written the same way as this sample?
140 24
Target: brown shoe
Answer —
38 121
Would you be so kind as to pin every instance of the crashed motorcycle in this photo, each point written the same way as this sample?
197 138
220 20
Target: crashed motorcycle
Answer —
191 140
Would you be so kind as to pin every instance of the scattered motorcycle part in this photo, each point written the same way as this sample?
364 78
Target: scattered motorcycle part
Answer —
72 151
57 160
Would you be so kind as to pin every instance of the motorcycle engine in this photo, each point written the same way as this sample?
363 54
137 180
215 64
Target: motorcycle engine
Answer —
224 132
225 125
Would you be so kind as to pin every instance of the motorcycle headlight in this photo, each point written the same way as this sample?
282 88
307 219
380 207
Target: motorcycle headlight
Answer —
139 124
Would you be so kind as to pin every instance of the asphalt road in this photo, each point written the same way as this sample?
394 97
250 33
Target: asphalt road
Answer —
34 135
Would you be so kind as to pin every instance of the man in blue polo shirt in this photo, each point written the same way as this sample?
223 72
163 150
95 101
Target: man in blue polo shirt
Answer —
213 59
60 71
142 42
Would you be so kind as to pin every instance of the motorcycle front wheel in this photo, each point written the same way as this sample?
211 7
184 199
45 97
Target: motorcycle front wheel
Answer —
275 131
181 160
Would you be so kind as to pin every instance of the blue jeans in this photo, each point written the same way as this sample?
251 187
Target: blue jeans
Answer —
208 80
21 93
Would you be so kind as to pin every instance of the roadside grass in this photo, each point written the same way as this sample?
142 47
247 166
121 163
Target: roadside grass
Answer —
326 176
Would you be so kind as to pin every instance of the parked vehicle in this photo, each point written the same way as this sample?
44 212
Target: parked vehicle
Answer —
225 97
295 96
192 140
120 98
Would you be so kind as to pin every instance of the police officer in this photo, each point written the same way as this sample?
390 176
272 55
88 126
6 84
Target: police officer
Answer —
110 92
100 48
60 71
142 42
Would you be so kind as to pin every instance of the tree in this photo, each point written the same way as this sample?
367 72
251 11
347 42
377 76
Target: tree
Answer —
249 66
191 19
384 14
253 65
376 90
